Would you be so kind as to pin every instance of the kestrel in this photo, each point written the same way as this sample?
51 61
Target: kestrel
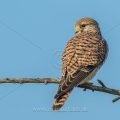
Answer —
83 56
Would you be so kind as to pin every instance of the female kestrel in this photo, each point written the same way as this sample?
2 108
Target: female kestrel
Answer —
84 54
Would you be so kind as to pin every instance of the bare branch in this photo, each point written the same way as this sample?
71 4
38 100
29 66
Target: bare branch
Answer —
29 80
89 86
100 89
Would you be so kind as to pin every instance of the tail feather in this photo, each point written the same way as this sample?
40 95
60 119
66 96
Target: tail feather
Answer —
59 102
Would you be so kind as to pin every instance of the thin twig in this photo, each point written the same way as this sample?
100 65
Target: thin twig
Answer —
116 99
101 83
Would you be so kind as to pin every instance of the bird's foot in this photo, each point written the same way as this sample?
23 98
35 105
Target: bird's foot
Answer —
90 85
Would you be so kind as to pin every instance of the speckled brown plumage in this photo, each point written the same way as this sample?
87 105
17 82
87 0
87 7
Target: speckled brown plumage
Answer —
81 59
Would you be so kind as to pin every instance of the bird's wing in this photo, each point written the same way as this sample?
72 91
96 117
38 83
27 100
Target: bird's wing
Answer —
71 81
103 51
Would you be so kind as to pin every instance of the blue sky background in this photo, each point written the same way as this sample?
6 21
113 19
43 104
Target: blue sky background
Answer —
33 34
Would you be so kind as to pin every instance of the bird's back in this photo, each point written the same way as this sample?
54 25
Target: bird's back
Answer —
82 50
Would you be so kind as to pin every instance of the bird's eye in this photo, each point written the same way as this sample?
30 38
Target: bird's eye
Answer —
83 25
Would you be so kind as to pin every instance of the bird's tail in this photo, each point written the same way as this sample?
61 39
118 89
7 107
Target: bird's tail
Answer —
59 102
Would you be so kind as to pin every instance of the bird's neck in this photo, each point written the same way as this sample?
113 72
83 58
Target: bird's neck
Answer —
96 34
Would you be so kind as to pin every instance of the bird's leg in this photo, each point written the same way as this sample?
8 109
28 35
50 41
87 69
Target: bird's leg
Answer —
89 84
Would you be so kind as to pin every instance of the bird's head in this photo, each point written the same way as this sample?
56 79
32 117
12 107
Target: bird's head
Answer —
86 25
